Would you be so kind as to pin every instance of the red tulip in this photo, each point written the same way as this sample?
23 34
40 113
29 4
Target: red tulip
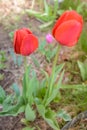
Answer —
68 28
25 42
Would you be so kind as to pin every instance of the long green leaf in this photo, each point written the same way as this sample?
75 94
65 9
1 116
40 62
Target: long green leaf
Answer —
49 116
29 113
28 128
55 90
82 70
26 83
16 89
2 94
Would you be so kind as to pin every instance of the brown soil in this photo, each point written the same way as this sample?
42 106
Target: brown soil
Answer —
78 123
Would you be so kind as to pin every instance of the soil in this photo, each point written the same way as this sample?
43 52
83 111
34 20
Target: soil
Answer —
78 123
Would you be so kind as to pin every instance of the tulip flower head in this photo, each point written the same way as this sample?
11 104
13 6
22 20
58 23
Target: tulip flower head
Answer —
25 42
68 28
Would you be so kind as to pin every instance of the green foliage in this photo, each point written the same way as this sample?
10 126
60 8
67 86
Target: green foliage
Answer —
83 42
29 113
11 35
83 70
34 92
2 59
65 116
11 104
2 95
47 16
78 5
2 63
18 59
49 116
70 4
48 50
51 12
16 89
28 128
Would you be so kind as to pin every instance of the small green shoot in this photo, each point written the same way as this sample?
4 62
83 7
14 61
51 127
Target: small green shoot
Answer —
83 70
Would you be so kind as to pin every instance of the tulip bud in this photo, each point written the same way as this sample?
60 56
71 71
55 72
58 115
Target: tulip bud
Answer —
49 38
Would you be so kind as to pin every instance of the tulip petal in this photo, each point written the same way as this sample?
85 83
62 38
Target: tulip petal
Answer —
17 42
23 32
67 15
26 30
29 44
68 33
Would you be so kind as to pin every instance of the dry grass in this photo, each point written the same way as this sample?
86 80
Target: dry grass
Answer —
10 10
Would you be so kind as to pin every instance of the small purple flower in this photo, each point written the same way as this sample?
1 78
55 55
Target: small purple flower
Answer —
49 38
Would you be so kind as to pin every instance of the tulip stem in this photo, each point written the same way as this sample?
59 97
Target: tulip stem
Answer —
25 63
53 69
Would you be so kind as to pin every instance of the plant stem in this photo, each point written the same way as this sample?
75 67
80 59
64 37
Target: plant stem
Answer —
50 86
53 70
25 63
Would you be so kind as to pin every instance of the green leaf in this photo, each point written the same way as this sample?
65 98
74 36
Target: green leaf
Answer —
55 8
13 110
2 66
2 56
1 76
19 60
83 70
65 116
60 12
74 86
36 62
46 6
2 94
80 7
58 69
52 123
46 25
16 89
29 113
41 110
55 91
28 128
11 34
32 89
26 83
49 116
42 46
16 58
13 56
33 13
83 41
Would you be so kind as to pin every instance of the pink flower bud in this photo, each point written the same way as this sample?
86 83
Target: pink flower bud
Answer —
49 38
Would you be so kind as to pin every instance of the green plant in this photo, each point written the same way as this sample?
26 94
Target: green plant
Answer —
2 59
36 96
48 50
78 5
2 63
69 4
17 59
83 70
40 94
47 16
83 42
